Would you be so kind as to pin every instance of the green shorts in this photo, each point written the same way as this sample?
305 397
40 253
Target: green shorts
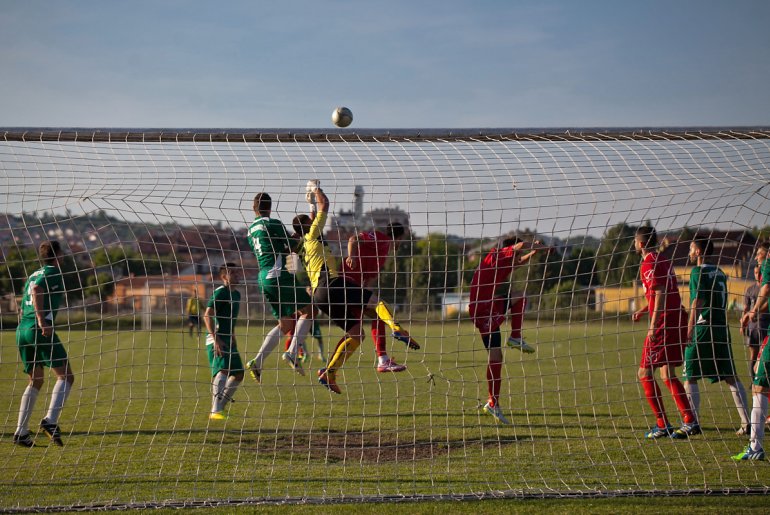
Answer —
709 355
38 350
762 377
285 295
230 359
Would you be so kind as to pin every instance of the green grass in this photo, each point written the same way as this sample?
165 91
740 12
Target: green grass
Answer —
136 424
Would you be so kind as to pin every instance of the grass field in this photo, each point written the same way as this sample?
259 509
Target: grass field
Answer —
136 425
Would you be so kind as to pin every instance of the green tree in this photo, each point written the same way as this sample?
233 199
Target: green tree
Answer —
436 264
617 263
19 263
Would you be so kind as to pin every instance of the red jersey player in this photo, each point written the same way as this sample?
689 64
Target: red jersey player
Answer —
489 310
667 333
367 253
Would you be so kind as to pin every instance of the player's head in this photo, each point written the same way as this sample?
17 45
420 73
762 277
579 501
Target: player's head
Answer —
645 239
230 273
509 242
395 230
263 204
49 251
301 224
700 247
762 250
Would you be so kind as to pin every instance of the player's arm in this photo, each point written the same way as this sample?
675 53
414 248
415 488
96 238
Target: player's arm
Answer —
695 308
658 303
208 321
746 313
531 247
38 302
352 259
761 304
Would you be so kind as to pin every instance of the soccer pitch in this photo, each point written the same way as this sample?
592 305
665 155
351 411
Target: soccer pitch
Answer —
136 426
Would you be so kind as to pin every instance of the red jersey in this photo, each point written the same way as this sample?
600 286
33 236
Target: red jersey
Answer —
494 270
657 272
373 250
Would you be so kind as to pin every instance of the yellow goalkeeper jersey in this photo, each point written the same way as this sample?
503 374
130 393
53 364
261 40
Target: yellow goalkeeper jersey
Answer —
316 255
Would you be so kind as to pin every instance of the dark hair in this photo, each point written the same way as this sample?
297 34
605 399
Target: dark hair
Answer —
225 267
262 202
704 244
764 245
299 222
395 230
507 242
647 236
49 250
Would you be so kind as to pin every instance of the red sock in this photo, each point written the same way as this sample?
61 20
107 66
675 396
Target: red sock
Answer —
652 392
378 335
677 390
494 369
517 317
288 340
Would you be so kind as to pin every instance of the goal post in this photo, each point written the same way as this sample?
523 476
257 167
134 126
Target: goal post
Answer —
150 218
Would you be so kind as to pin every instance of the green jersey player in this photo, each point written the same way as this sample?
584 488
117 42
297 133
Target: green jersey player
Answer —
40 346
709 354
220 317
289 300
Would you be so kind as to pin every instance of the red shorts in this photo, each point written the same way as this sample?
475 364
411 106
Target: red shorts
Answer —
667 345
489 315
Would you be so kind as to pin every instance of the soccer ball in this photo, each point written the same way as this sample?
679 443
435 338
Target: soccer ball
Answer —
342 117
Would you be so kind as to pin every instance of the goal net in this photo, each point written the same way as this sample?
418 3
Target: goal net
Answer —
148 218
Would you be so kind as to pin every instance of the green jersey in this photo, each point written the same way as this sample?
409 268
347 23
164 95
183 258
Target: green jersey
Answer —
226 304
48 278
709 284
271 244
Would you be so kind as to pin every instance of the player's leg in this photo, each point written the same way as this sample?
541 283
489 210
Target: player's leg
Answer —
26 343
328 376
760 390
655 400
296 302
22 436
271 341
516 305
739 399
493 343
65 378
51 352
318 337
385 313
384 362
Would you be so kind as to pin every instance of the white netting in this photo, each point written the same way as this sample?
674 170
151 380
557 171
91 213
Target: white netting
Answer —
148 217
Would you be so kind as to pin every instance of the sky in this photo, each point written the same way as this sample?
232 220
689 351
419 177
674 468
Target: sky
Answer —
396 64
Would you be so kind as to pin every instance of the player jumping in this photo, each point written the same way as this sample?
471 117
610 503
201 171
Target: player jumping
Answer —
288 300
488 310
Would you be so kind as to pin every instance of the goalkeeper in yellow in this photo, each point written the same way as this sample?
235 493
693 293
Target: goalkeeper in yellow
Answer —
342 299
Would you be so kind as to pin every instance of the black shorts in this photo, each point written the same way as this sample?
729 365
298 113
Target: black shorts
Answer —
343 301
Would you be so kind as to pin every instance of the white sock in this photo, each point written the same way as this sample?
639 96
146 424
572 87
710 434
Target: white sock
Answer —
28 399
301 329
61 390
271 342
217 389
739 397
693 393
758 416
230 387
381 360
